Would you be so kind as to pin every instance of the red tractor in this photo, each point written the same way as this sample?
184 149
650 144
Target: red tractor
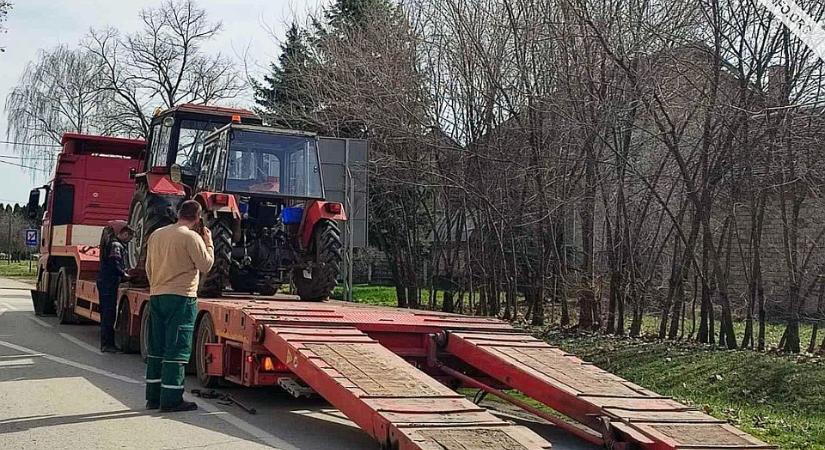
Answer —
262 194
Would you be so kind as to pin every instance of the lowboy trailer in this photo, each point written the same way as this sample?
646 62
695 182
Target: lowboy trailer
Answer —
394 372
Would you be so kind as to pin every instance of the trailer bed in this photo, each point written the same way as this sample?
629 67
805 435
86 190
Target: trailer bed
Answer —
375 364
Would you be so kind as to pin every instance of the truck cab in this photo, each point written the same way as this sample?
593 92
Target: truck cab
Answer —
91 185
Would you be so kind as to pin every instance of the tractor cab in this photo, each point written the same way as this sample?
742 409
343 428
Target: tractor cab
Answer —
177 136
266 163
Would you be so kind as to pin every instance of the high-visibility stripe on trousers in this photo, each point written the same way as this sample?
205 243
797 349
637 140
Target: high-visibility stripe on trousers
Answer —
171 323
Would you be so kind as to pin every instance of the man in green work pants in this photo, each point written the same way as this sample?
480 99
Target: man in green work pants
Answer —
175 256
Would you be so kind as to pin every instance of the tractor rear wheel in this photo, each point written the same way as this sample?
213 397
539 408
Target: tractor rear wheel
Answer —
213 283
65 297
326 249
147 213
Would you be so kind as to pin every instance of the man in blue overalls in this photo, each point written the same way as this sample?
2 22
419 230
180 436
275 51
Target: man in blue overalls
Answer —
112 272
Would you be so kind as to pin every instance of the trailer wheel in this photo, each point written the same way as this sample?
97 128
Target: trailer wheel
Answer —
327 248
206 335
144 333
213 283
127 343
64 297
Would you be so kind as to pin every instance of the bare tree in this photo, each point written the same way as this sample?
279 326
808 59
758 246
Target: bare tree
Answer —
163 64
58 92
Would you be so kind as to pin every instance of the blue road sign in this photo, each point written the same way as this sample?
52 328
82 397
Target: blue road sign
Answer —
32 238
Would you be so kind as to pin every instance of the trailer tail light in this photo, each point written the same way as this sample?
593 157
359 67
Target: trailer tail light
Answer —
269 365
221 199
334 208
236 118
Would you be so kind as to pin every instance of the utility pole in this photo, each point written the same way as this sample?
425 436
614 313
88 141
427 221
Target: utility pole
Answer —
8 249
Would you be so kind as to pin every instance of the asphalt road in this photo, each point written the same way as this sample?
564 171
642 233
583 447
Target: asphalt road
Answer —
57 391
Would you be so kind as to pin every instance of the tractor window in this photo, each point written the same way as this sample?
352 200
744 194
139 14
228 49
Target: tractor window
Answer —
190 144
160 145
269 163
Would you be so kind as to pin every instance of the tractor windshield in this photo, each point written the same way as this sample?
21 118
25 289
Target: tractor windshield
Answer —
275 164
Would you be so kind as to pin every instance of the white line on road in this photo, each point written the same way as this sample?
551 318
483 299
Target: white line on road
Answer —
8 306
67 362
242 425
80 343
14 363
40 322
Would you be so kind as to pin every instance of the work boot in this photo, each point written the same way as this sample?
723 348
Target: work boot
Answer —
182 406
152 405
109 349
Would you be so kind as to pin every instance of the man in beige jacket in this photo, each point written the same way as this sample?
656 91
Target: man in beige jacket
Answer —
176 255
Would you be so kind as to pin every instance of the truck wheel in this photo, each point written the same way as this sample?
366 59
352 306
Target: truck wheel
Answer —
213 284
206 335
127 343
44 306
147 213
144 333
326 248
64 297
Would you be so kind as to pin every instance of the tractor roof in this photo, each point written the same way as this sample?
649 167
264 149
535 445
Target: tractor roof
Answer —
209 110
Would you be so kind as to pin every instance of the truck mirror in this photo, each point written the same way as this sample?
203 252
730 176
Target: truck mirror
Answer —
34 204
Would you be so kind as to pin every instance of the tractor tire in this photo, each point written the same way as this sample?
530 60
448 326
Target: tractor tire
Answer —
327 250
127 343
268 289
65 297
144 333
205 335
213 283
147 213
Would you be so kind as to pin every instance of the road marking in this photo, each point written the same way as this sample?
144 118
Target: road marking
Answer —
40 322
80 343
71 363
13 363
26 355
2 310
8 306
243 425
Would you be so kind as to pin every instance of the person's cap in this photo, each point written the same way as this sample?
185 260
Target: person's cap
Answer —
120 225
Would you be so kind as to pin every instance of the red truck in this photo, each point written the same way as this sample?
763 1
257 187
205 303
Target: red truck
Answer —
391 371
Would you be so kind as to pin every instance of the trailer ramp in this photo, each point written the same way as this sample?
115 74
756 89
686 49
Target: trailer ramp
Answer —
602 401
399 405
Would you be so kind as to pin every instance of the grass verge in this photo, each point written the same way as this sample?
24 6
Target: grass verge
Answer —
780 399
19 270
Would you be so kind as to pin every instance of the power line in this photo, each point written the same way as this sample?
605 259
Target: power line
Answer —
23 166
30 144
40 158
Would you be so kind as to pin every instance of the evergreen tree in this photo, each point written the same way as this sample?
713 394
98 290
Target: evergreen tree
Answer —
282 97
343 14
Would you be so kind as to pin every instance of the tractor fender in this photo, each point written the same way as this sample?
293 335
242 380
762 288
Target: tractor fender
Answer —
314 212
162 184
216 203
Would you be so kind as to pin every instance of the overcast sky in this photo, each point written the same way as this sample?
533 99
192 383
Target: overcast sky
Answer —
40 24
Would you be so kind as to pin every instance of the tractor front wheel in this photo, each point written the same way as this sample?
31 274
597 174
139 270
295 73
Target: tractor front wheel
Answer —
147 213
326 249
